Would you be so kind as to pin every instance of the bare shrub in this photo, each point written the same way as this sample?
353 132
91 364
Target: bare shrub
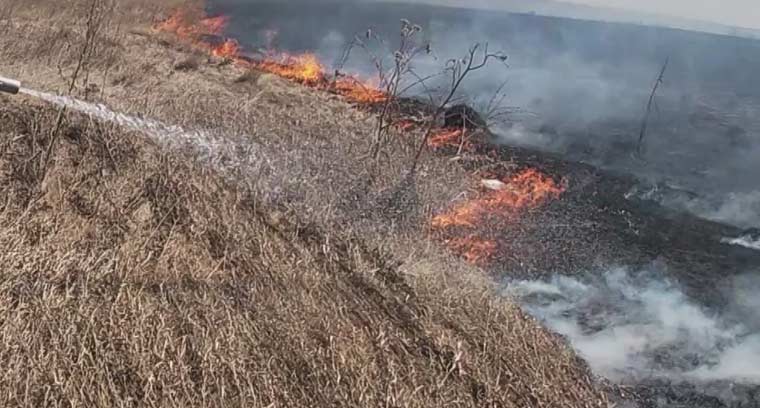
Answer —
457 70
390 78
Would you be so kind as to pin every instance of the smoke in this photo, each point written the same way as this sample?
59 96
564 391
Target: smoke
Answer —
579 88
747 241
741 209
739 13
637 326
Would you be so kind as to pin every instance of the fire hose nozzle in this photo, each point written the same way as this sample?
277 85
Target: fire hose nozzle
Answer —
10 86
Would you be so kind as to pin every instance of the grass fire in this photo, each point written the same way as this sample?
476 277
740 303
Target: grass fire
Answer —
207 33
488 212
338 203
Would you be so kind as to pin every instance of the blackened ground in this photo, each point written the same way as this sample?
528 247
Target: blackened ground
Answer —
597 223
584 92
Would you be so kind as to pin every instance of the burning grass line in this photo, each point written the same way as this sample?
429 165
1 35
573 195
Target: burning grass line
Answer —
526 190
305 68
450 138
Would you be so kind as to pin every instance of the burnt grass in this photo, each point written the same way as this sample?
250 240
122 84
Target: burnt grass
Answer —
597 223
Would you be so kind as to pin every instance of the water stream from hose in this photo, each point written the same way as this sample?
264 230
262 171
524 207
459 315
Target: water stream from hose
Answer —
224 152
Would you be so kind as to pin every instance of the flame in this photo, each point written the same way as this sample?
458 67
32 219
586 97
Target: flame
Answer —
215 25
358 91
449 137
190 24
526 190
473 249
304 68
196 28
230 49
405 125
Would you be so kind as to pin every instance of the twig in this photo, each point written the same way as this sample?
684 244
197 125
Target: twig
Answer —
459 70
645 121
96 14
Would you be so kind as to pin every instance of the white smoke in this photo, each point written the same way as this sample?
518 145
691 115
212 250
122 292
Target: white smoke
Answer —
746 241
637 326
742 209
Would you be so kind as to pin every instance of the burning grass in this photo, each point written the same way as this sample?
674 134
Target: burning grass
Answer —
450 138
207 33
485 214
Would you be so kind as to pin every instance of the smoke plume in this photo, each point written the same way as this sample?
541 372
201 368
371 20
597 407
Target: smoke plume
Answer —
575 87
636 326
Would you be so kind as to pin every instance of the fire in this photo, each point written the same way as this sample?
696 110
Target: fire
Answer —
215 25
306 68
230 49
358 91
473 249
405 125
526 190
449 137
189 24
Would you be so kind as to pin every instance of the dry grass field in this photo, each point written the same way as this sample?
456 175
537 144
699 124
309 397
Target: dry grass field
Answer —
279 271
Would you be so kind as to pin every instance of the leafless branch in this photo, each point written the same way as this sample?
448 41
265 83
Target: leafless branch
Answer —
645 121
98 14
459 69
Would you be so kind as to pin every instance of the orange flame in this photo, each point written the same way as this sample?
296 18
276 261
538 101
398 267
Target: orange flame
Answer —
405 125
357 91
230 49
215 25
526 190
305 68
189 24
450 138
473 249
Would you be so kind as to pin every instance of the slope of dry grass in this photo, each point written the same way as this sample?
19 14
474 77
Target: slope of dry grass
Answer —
131 275
134 275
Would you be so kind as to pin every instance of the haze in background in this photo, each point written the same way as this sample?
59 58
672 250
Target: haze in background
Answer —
737 13
734 17
581 86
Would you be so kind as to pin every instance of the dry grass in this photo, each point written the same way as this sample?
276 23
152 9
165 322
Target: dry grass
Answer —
134 276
